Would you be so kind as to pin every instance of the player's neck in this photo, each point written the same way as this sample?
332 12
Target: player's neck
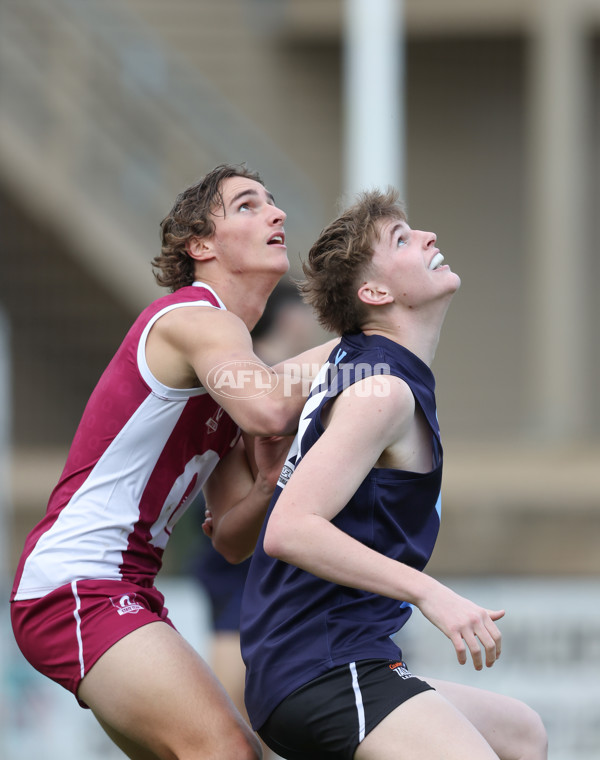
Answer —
417 330
245 295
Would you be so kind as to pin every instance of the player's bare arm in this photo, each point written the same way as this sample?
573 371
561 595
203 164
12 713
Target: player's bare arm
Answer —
238 493
308 362
237 502
300 530
186 344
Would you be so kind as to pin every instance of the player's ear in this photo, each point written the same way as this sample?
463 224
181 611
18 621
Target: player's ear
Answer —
200 249
372 293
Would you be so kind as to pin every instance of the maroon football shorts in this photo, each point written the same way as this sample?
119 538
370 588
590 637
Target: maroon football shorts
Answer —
64 633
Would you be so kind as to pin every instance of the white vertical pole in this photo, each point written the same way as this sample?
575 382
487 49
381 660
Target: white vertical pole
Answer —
559 251
373 95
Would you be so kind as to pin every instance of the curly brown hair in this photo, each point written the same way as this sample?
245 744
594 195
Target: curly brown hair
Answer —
338 260
191 217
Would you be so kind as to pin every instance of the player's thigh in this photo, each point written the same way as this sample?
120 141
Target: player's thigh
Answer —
511 727
226 661
132 749
425 727
153 688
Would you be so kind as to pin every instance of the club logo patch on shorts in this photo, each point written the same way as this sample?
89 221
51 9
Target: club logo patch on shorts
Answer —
126 604
400 669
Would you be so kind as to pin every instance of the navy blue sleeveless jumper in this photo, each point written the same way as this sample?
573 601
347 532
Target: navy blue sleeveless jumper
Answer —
295 626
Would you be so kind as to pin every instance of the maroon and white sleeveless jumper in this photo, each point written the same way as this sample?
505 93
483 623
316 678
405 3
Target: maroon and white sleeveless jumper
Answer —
140 455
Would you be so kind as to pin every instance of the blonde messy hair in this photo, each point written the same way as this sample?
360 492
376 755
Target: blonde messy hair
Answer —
340 256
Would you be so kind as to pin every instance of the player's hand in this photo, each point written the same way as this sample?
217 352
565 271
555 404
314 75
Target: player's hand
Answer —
270 453
468 626
207 525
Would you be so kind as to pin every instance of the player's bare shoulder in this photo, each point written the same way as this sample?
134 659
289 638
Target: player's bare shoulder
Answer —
189 324
387 394
382 405
388 413
181 336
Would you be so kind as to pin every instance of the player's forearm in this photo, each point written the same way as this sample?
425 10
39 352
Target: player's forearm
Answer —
267 402
295 375
309 359
316 545
236 532
275 405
